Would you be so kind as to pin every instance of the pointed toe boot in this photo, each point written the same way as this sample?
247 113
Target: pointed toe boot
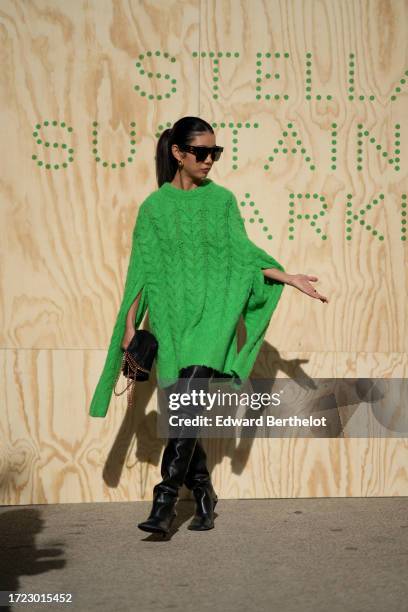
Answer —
206 500
162 514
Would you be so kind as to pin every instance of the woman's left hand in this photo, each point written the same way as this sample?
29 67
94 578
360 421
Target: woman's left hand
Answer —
301 282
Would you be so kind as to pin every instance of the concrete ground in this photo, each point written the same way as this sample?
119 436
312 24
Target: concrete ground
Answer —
286 555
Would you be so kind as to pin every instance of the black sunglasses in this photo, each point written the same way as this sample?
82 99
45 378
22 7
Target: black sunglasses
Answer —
201 153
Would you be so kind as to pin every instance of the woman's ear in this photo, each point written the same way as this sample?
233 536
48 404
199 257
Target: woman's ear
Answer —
175 151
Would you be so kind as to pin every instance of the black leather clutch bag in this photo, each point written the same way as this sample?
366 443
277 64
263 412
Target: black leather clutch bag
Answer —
138 357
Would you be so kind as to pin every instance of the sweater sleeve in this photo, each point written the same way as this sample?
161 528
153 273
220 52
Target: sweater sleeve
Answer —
263 298
133 285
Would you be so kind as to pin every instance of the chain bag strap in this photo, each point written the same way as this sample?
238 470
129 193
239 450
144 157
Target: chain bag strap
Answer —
137 361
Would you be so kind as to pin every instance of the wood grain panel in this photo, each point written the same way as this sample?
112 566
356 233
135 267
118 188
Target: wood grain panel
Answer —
51 452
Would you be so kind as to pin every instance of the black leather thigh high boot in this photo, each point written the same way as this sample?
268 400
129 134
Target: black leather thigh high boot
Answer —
176 458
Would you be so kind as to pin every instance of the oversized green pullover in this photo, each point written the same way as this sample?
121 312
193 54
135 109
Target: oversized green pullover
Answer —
198 271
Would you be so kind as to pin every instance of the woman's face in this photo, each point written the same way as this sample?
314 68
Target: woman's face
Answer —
192 168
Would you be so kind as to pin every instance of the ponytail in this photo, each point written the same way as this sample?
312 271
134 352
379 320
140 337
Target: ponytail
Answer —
166 163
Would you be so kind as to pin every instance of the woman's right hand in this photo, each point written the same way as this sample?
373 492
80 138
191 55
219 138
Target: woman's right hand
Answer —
127 337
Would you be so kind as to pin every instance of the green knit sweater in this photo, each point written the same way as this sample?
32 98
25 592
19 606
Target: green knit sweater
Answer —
198 271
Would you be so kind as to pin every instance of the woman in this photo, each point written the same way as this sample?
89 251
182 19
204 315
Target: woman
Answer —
194 267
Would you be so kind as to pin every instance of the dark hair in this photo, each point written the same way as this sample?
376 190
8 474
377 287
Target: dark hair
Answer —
183 131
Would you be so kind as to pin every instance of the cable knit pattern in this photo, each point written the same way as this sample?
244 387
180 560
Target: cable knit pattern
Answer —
198 271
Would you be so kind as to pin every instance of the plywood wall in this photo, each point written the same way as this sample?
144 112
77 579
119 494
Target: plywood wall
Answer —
309 99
